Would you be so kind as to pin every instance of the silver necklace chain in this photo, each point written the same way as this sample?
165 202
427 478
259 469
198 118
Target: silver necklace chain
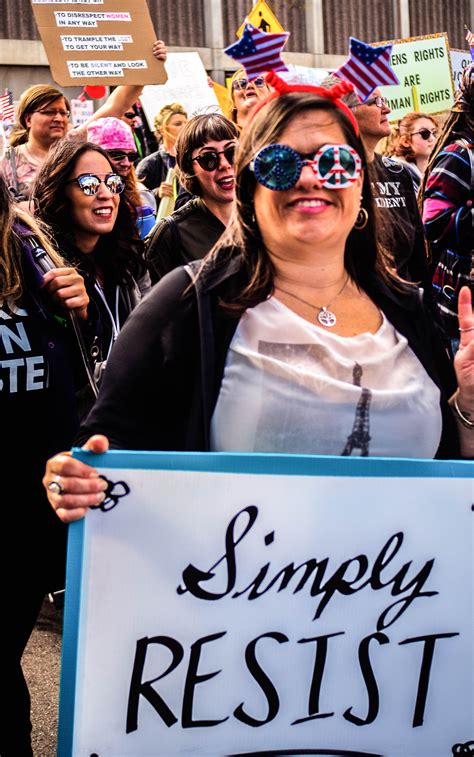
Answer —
325 316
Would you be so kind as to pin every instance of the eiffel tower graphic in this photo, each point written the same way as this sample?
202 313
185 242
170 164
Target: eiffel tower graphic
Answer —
359 437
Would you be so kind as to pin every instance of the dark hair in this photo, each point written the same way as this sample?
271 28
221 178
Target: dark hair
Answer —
194 134
118 253
364 256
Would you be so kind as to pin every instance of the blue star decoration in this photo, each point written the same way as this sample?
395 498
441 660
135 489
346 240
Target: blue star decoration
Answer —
258 52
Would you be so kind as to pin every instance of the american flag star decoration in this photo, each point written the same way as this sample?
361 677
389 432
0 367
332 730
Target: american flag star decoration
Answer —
7 111
470 41
367 68
258 52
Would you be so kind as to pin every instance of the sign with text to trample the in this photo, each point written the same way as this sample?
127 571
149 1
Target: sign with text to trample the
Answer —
239 604
98 41
423 67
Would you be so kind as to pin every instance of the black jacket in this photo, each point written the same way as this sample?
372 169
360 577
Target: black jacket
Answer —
163 378
187 234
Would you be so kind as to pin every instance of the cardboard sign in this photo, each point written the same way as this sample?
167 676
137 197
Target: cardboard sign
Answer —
98 41
262 17
226 604
423 66
187 85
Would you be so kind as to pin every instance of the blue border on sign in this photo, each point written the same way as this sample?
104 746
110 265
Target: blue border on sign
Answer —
215 462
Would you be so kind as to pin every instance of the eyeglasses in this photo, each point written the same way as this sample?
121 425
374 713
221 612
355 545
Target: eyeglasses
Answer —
89 183
378 101
278 167
426 133
51 112
240 84
130 114
119 155
209 160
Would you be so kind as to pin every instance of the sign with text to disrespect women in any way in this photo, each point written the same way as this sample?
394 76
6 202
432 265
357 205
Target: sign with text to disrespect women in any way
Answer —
226 604
423 67
98 41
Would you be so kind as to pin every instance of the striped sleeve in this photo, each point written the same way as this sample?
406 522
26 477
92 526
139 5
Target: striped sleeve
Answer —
447 202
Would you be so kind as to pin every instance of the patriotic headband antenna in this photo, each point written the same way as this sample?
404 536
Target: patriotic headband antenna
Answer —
333 94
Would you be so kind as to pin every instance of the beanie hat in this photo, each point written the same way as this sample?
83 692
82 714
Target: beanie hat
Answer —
111 134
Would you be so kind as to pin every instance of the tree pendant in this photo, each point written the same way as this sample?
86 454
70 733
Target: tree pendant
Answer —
326 318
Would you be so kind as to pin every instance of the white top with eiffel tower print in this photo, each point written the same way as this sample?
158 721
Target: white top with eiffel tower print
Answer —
292 387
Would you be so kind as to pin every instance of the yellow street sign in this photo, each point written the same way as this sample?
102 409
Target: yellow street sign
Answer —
262 17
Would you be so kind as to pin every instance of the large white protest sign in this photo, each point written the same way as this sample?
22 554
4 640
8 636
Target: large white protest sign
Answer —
260 604
423 67
187 84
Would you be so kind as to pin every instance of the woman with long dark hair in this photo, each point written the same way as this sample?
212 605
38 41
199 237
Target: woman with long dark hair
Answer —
79 194
295 335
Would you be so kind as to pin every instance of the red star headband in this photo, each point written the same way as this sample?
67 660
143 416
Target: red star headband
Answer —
333 94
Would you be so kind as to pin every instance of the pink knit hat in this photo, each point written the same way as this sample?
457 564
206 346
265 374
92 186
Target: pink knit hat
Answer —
111 134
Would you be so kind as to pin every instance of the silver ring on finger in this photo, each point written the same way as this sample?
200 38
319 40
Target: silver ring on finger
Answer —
55 486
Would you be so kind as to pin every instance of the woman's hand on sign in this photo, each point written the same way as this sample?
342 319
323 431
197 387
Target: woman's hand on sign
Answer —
159 50
165 190
464 358
73 486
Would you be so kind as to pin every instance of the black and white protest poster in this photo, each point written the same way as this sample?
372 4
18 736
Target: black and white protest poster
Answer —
234 604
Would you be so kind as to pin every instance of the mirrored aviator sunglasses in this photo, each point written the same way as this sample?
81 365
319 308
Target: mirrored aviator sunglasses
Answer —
89 183
209 160
278 167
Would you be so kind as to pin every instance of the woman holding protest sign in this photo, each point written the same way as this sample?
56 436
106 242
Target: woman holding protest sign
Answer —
294 335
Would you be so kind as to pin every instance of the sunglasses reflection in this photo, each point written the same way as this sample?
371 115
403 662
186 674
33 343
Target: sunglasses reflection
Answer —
89 183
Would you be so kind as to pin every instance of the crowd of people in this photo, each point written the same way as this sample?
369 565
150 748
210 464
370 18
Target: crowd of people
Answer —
298 274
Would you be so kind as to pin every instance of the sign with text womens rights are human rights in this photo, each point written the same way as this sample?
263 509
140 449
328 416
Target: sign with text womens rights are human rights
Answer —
233 604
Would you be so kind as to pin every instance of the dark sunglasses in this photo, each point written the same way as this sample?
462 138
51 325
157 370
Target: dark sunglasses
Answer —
278 167
89 183
209 160
239 84
426 133
121 154
130 114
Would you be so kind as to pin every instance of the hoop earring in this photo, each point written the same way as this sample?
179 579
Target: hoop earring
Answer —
361 220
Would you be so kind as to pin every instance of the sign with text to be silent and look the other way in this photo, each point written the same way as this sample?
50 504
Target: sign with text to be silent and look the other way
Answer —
98 41
245 604
423 67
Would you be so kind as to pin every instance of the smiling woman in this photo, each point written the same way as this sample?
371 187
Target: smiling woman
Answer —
79 193
235 346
